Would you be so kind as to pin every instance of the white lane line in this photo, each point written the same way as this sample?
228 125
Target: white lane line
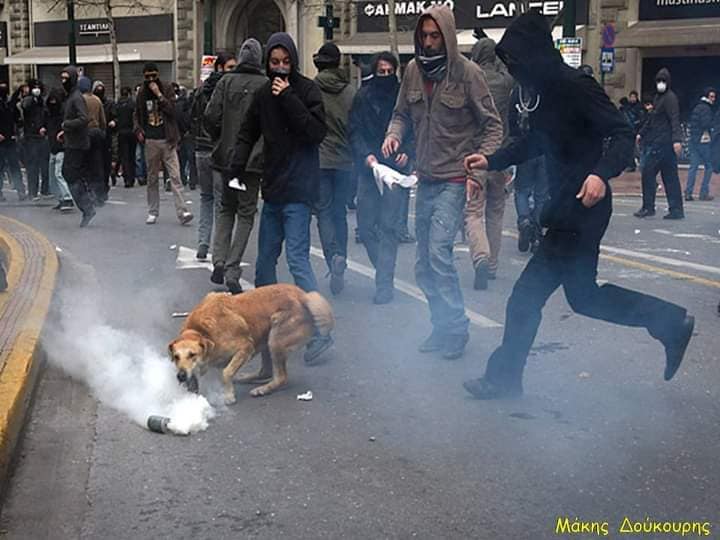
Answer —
662 260
117 203
186 259
410 290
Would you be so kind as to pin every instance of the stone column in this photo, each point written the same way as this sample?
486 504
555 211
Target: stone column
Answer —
185 43
619 83
19 30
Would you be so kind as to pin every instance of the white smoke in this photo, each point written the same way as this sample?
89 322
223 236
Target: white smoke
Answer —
123 369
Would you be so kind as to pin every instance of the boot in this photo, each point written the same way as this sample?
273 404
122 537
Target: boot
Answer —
482 388
676 346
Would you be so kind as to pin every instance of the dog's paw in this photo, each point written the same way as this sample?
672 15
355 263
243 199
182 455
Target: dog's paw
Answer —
230 399
260 391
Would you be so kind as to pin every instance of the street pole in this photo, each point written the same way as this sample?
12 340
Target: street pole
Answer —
72 46
569 18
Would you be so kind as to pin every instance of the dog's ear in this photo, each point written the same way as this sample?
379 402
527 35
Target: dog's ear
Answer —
208 345
171 349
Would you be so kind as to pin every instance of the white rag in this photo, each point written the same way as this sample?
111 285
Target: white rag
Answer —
386 176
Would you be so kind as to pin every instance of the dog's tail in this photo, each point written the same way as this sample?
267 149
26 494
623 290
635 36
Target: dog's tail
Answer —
320 311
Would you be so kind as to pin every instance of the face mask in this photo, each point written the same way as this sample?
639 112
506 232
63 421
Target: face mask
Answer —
280 73
67 85
3 92
36 92
99 93
661 86
385 83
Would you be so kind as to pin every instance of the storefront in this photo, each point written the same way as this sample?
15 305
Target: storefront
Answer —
680 35
140 39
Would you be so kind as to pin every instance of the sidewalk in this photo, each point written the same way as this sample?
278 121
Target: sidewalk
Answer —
32 267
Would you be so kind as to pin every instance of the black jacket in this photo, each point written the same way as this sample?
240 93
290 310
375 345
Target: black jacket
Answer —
663 123
55 103
701 121
124 112
8 120
370 115
34 120
293 126
568 126
202 132
75 117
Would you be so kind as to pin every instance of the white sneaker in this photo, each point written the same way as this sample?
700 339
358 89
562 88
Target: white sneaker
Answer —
151 220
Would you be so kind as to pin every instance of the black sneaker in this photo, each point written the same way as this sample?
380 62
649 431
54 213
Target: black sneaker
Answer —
67 206
643 213
202 252
233 286
483 389
218 274
433 343
58 206
455 346
689 197
317 346
87 217
337 274
677 345
383 296
481 277
525 235
674 215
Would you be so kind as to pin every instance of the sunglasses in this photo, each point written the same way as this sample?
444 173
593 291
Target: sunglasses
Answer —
150 76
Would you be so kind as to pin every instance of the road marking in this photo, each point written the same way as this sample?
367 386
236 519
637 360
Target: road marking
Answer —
662 260
657 270
116 203
410 290
186 259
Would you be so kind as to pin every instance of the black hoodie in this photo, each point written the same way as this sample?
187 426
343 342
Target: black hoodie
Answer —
572 119
203 133
75 117
54 104
663 124
293 126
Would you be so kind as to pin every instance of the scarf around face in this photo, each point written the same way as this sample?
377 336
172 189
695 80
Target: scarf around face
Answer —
433 66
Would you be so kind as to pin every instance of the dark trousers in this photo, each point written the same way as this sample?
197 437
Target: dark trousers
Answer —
75 170
531 191
126 150
378 219
663 160
564 260
96 164
331 208
404 213
10 165
699 155
37 161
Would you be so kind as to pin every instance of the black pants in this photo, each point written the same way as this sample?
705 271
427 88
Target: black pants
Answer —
96 164
75 170
379 220
107 162
126 150
663 160
10 165
37 161
563 260
331 209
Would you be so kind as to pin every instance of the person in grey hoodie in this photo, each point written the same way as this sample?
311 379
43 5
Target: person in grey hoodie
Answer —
336 163
76 140
224 116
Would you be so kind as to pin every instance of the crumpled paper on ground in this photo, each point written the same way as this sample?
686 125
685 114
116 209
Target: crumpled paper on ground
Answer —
387 176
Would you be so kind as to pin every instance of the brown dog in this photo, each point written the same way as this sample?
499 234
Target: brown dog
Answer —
274 321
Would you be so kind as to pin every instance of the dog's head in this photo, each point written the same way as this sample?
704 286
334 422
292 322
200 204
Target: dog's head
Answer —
190 354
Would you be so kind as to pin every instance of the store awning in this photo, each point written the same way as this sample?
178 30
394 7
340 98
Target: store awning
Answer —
374 42
679 33
158 51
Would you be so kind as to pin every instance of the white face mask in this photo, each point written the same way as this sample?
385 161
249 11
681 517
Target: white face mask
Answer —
36 92
661 86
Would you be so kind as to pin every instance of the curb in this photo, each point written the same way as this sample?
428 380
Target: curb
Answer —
31 261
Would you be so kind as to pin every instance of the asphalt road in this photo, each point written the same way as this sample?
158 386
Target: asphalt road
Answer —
391 446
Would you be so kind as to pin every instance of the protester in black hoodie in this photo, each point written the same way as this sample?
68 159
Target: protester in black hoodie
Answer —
661 137
126 135
288 112
35 140
9 160
58 185
701 127
572 118
76 140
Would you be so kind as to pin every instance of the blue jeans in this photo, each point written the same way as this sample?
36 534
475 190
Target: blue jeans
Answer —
331 207
699 155
58 185
438 218
290 223
140 163
210 195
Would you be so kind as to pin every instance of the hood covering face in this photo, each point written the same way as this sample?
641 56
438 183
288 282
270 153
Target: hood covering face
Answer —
664 75
250 53
72 71
483 52
282 39
444 18
528 51
332 80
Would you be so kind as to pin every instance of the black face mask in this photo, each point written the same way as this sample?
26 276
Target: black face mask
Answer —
100 93
67 85
279 73
4 92
385 83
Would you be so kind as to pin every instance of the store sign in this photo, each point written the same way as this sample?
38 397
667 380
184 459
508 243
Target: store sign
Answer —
207 66
95 31
94 28
654 10
372 15
570 50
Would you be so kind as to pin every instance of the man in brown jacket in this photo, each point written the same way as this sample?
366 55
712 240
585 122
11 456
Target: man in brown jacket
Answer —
444 100
156 127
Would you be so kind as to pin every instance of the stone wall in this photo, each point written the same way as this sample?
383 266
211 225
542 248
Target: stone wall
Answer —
622 80
19 39
185 49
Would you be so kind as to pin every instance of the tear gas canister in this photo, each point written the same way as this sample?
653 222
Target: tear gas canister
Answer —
158 424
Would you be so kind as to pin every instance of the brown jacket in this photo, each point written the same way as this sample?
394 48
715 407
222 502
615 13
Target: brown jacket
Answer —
166 105
96 112
457 120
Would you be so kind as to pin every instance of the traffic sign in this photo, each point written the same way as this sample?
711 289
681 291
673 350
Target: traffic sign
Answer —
608 35
607 59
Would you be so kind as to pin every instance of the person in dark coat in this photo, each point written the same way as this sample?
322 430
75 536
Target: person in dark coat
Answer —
76 141
701 127
110 111
126 135
378 214
288 113
58 185
35 140
9 159
572 120
661 137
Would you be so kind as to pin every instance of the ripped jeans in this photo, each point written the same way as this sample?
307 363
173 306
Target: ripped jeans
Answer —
439 211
